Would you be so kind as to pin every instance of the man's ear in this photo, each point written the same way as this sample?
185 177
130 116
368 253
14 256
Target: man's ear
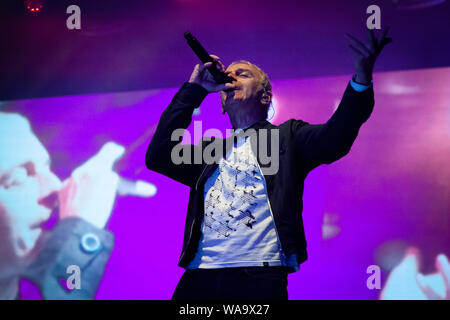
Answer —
266 98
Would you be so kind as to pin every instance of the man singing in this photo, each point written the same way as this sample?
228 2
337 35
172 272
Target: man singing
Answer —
244 230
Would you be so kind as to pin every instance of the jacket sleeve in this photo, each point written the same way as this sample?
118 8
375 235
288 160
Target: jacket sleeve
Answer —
178 115
325 143
72 243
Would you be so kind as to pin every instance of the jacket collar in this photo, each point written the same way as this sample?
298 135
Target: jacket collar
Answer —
257 125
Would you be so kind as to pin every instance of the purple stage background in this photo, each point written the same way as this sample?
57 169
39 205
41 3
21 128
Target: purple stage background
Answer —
389 192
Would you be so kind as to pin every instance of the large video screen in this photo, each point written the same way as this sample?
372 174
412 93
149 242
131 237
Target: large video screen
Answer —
387 199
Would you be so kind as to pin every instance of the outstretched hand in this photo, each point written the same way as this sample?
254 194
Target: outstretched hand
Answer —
405 282
366 54
90 191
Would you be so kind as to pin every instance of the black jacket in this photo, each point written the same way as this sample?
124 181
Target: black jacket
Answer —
302 147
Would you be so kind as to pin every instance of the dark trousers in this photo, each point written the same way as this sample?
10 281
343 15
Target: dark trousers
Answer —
242 283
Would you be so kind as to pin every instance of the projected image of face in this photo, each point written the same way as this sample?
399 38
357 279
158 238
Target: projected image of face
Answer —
27 189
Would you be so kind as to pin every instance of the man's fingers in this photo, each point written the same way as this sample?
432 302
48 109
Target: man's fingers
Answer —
202 67
426 286
384 32
372 40
199 68
109 154
382 37
138 188
403 276
220 66
205 65
358 52
215 58
359 45
443 267
228 87
354 39
102 161
412 257
383 43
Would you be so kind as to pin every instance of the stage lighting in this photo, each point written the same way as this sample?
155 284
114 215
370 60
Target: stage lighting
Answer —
34 6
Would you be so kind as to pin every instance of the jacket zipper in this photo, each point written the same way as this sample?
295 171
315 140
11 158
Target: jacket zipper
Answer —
189 239
270 210
193 220
201 174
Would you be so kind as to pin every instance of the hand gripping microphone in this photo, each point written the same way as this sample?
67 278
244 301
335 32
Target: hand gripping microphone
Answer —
202 54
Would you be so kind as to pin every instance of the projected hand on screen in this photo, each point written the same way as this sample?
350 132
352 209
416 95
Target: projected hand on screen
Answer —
405 282
366 54
90 191
29 192
432 285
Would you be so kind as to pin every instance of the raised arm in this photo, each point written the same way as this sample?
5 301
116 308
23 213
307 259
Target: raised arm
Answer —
325 143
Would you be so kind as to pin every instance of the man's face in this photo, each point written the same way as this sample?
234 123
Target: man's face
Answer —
27 192
248 80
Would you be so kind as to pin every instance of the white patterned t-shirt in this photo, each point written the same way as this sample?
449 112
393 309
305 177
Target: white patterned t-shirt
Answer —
238 228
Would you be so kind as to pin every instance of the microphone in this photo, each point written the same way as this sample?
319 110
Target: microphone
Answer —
202 54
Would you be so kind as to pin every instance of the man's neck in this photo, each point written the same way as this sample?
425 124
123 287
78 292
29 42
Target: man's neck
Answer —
240 120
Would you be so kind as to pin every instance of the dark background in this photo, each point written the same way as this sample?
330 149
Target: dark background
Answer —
134 45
